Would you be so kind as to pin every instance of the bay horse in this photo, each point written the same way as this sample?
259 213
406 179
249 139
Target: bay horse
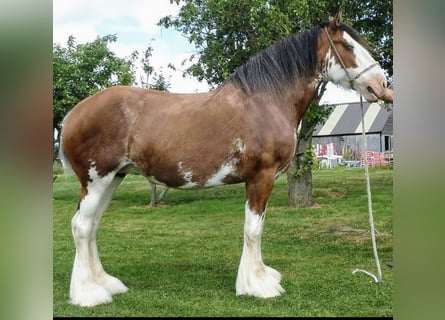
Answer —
243 131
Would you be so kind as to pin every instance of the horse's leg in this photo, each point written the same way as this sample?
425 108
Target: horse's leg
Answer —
161 195
88 280
112 284
254 277
153 201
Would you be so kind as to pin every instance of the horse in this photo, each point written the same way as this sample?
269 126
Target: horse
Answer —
244 131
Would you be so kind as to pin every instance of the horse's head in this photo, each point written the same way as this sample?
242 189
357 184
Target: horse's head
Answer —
347 62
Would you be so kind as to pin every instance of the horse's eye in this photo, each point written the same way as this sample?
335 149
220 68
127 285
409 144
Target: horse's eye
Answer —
349 47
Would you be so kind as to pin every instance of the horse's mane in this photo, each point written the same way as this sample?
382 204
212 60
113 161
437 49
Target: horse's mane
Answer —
276 67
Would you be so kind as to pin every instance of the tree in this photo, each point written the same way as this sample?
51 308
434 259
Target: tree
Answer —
299 173
148 69
160 82
80 70
227 32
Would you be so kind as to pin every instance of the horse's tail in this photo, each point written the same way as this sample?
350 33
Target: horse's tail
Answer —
67 169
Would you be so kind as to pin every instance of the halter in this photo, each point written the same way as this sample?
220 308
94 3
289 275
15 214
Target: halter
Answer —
343 64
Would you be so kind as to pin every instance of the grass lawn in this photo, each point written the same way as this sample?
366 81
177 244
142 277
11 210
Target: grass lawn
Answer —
181 258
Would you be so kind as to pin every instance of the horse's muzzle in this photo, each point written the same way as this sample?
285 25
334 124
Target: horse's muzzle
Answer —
387 95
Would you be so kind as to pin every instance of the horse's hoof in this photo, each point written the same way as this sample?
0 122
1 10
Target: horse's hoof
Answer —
90 296
113 285
263 285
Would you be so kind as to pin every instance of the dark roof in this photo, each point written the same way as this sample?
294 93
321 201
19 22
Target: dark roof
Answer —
346 119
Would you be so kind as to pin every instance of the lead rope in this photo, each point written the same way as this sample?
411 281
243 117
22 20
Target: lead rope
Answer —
377 278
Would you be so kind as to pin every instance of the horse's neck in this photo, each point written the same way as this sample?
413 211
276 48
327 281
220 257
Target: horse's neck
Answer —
298 98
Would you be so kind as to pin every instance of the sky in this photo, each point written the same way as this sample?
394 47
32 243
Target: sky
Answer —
135 24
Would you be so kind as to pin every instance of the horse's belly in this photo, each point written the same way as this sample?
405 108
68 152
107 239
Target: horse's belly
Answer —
227 173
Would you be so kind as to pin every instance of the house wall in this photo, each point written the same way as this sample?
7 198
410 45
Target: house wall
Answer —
375 142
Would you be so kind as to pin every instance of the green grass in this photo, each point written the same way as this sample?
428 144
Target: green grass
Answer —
181 258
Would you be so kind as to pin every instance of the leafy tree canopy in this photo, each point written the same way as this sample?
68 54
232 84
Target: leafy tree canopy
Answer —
80 70
227 32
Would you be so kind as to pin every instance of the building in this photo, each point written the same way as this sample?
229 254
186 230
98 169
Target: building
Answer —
343 130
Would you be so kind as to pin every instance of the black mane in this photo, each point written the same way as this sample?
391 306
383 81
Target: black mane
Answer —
273 69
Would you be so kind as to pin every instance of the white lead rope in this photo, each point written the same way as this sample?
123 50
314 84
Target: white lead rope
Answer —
377 278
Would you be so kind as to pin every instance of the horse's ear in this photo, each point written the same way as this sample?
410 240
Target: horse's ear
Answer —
336 19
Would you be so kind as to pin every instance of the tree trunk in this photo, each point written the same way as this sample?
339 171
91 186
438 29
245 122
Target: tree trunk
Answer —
299 177
299 174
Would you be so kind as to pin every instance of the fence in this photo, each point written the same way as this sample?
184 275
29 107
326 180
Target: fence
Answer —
328 157
376 158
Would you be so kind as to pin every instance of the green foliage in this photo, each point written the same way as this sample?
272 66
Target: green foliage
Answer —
374 21
310 162
148 69
160 82
226 33
181 258
80 70
313 116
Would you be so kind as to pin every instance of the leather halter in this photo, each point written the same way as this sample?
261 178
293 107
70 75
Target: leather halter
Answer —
343 64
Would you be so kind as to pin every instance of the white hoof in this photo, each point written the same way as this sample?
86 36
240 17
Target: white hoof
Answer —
90 295
112 284
264 283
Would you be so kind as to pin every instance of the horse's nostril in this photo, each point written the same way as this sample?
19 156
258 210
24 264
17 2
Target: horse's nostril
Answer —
370 90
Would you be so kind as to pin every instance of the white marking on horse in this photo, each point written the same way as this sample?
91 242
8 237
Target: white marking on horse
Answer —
239 146
90 284
254 277
227 167
187 174
333 70
217 178
363 59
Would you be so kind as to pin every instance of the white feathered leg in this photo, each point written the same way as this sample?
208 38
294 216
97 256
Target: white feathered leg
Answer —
90 285
112 284
254 277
